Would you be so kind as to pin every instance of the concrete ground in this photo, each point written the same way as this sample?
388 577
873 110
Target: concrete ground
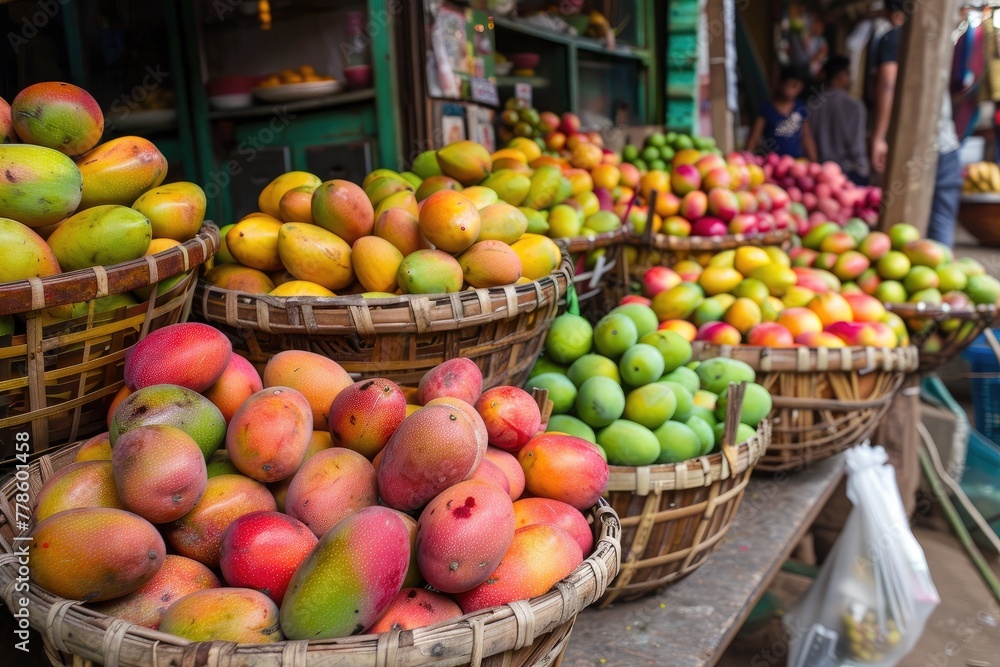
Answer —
963 631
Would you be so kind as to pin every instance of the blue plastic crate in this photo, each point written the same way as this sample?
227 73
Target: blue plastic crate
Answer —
985 390
981 479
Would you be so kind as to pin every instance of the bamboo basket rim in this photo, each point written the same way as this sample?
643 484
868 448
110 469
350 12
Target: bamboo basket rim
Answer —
694 473
943 311
371 316
815 359
21 296
707 243
73 629
575 244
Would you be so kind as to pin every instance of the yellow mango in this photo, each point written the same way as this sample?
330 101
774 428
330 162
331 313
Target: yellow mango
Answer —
102 235
269 200
301 288
26 255
539 255
119 171
490 264
175 210
376 262
239 278
314 254
253 242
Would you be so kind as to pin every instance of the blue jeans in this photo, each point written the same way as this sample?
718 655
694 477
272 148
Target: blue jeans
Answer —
947 192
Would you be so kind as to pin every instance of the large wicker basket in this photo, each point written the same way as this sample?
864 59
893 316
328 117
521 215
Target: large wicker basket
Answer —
941 332
502 329
529 632
57 379
825 400
673 515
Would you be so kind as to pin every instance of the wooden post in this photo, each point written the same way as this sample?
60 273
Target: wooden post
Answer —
924 69
720 15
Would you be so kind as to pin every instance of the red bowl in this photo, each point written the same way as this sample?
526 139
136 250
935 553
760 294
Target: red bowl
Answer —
232 85
358 76
524 60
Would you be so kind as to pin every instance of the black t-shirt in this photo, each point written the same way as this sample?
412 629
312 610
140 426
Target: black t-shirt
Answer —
888 47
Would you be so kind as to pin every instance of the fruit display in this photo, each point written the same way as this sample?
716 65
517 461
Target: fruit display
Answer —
633 390
823 190
463 218
982 178
63 196
705 194
301 74
830 292
659 148
299 504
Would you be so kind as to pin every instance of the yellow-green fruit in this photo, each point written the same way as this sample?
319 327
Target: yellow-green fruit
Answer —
383 187
269 200
466 161
101 236
223 256
301 288
502 222
511 186
430 272
38 186
544 190
315 254
118 171
435 184
26 255
238 615
253 241
426 165
376 263
564 222
376 174
480 196
175 210
490 264
405 200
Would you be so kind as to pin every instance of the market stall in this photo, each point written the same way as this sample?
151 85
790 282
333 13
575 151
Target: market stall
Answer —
446 369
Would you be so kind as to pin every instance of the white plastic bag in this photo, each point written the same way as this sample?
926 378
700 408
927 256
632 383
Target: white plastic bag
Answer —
874 593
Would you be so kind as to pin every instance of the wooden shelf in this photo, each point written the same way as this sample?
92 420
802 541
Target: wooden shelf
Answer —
582 43
533 81
312 104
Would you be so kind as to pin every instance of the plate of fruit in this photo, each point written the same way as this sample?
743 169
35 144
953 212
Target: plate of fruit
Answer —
296 84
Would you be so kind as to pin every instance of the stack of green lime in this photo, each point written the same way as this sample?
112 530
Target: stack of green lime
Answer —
658 149
633 390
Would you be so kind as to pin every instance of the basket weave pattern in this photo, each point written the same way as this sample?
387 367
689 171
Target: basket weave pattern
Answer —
520 634
940 332
824 399
502 329
592 292
57 380
673 515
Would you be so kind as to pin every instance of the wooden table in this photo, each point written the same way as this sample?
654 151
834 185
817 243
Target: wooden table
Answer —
692 622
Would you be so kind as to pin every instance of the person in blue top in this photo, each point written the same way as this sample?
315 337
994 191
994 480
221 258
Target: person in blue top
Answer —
783 124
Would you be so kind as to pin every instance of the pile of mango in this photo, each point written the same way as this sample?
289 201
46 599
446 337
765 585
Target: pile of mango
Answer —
68 202
633 390
829 292
396 233
298 504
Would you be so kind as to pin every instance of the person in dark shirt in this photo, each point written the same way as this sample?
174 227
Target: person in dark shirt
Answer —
783 124
838 122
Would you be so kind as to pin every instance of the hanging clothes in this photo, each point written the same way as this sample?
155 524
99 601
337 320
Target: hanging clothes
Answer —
968 66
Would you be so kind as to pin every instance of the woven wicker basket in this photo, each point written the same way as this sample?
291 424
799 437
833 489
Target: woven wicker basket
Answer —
530 632
673 515
825 399
942 332
57 380
502 329
591 284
